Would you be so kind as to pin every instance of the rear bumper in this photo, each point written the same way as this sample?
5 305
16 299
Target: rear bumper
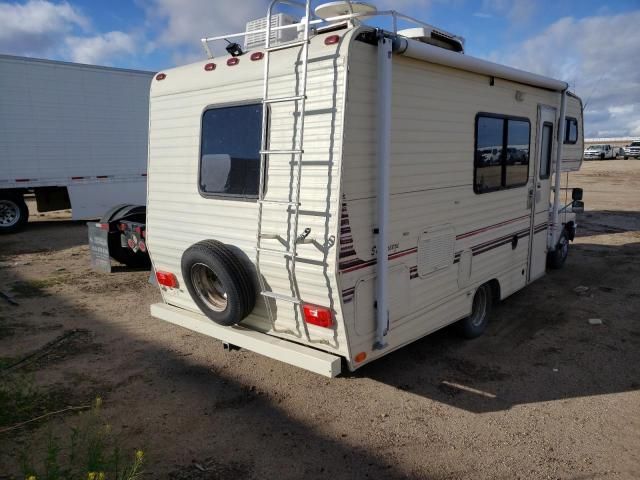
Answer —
292 353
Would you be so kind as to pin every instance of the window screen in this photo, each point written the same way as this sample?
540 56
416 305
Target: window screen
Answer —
501 153
571 130
545 150
230 151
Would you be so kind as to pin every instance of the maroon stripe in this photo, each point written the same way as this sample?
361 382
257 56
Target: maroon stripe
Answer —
490 227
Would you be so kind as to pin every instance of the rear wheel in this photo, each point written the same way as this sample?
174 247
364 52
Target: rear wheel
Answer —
14 213
475 324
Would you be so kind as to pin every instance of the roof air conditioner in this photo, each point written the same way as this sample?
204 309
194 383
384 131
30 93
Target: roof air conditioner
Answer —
435 36
257 40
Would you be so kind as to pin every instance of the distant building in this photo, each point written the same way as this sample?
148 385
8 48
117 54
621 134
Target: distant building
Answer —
613 141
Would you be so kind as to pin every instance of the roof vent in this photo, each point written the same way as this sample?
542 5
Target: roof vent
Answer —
257 40
337 9
435 36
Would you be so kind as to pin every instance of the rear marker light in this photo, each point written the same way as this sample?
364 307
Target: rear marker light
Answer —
161 76
332 40
361 357
320 316
167 279
233 61
257 56
209 67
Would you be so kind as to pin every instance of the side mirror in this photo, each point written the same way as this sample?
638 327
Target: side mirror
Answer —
576 194
577 206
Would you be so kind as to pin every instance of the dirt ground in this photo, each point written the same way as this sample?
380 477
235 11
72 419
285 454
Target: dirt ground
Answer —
544 394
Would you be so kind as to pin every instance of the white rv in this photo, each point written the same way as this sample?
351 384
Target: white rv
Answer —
74 135
328 200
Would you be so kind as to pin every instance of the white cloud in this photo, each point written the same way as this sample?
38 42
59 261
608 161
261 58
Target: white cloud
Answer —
183 24
100 48
597 56
47 29
37 26
518 11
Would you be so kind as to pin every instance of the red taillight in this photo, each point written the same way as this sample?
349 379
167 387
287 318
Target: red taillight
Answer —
166 279
320 316
257 56
233 61
103 226
209 67
332 40
161 76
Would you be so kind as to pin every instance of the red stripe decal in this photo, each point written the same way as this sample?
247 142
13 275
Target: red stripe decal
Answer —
490 227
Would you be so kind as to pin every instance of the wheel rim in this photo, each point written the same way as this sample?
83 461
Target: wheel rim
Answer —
479 309
564 247
9 213
208 287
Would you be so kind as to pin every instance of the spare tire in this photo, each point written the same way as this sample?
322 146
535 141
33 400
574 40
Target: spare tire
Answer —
219 282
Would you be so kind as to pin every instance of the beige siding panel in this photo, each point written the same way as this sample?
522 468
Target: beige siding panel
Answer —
178 216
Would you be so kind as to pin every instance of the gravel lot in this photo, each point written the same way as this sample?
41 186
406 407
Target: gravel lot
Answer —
544 394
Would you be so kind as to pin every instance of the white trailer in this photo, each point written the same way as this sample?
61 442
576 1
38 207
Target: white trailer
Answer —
74 135
349 192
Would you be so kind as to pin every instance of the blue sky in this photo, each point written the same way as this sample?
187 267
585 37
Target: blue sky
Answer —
593 45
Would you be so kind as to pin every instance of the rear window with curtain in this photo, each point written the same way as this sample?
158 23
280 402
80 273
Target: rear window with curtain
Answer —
230 151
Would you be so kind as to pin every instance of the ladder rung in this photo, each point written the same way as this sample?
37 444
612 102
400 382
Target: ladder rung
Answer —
282 46
279 202
279 296
274 251
297 98
281 152
269 236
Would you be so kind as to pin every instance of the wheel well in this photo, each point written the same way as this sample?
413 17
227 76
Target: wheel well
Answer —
495 290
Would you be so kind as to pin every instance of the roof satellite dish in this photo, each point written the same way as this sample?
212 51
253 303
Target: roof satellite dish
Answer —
336 9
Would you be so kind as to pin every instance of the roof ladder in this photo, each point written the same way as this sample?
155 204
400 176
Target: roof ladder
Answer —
292 204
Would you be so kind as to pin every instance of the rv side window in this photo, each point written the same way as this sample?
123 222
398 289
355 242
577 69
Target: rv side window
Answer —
547 145
230 151
501 153
571 130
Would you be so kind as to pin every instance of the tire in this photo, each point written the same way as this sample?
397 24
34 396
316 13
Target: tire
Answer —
626 158
475 324
14 214
556 259
120 254
218 282
602 156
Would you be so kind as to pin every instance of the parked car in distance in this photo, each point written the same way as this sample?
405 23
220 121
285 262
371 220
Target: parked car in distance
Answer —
601 152
632 150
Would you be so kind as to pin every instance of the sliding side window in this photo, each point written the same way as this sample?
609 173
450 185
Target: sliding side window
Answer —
230 151
501 152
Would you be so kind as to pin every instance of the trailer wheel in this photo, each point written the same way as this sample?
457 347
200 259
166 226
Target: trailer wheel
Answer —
14 213
556 259
218 282
116 250
475 324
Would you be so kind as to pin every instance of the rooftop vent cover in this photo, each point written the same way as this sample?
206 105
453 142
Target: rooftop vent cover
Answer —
257 40
435 36
337 9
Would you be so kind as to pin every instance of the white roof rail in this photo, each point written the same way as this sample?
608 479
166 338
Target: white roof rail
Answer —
357 16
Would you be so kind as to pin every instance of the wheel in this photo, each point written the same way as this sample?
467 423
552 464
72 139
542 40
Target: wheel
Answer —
218 282
14 213
475 324
119 253
556 259
626 157
602 156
